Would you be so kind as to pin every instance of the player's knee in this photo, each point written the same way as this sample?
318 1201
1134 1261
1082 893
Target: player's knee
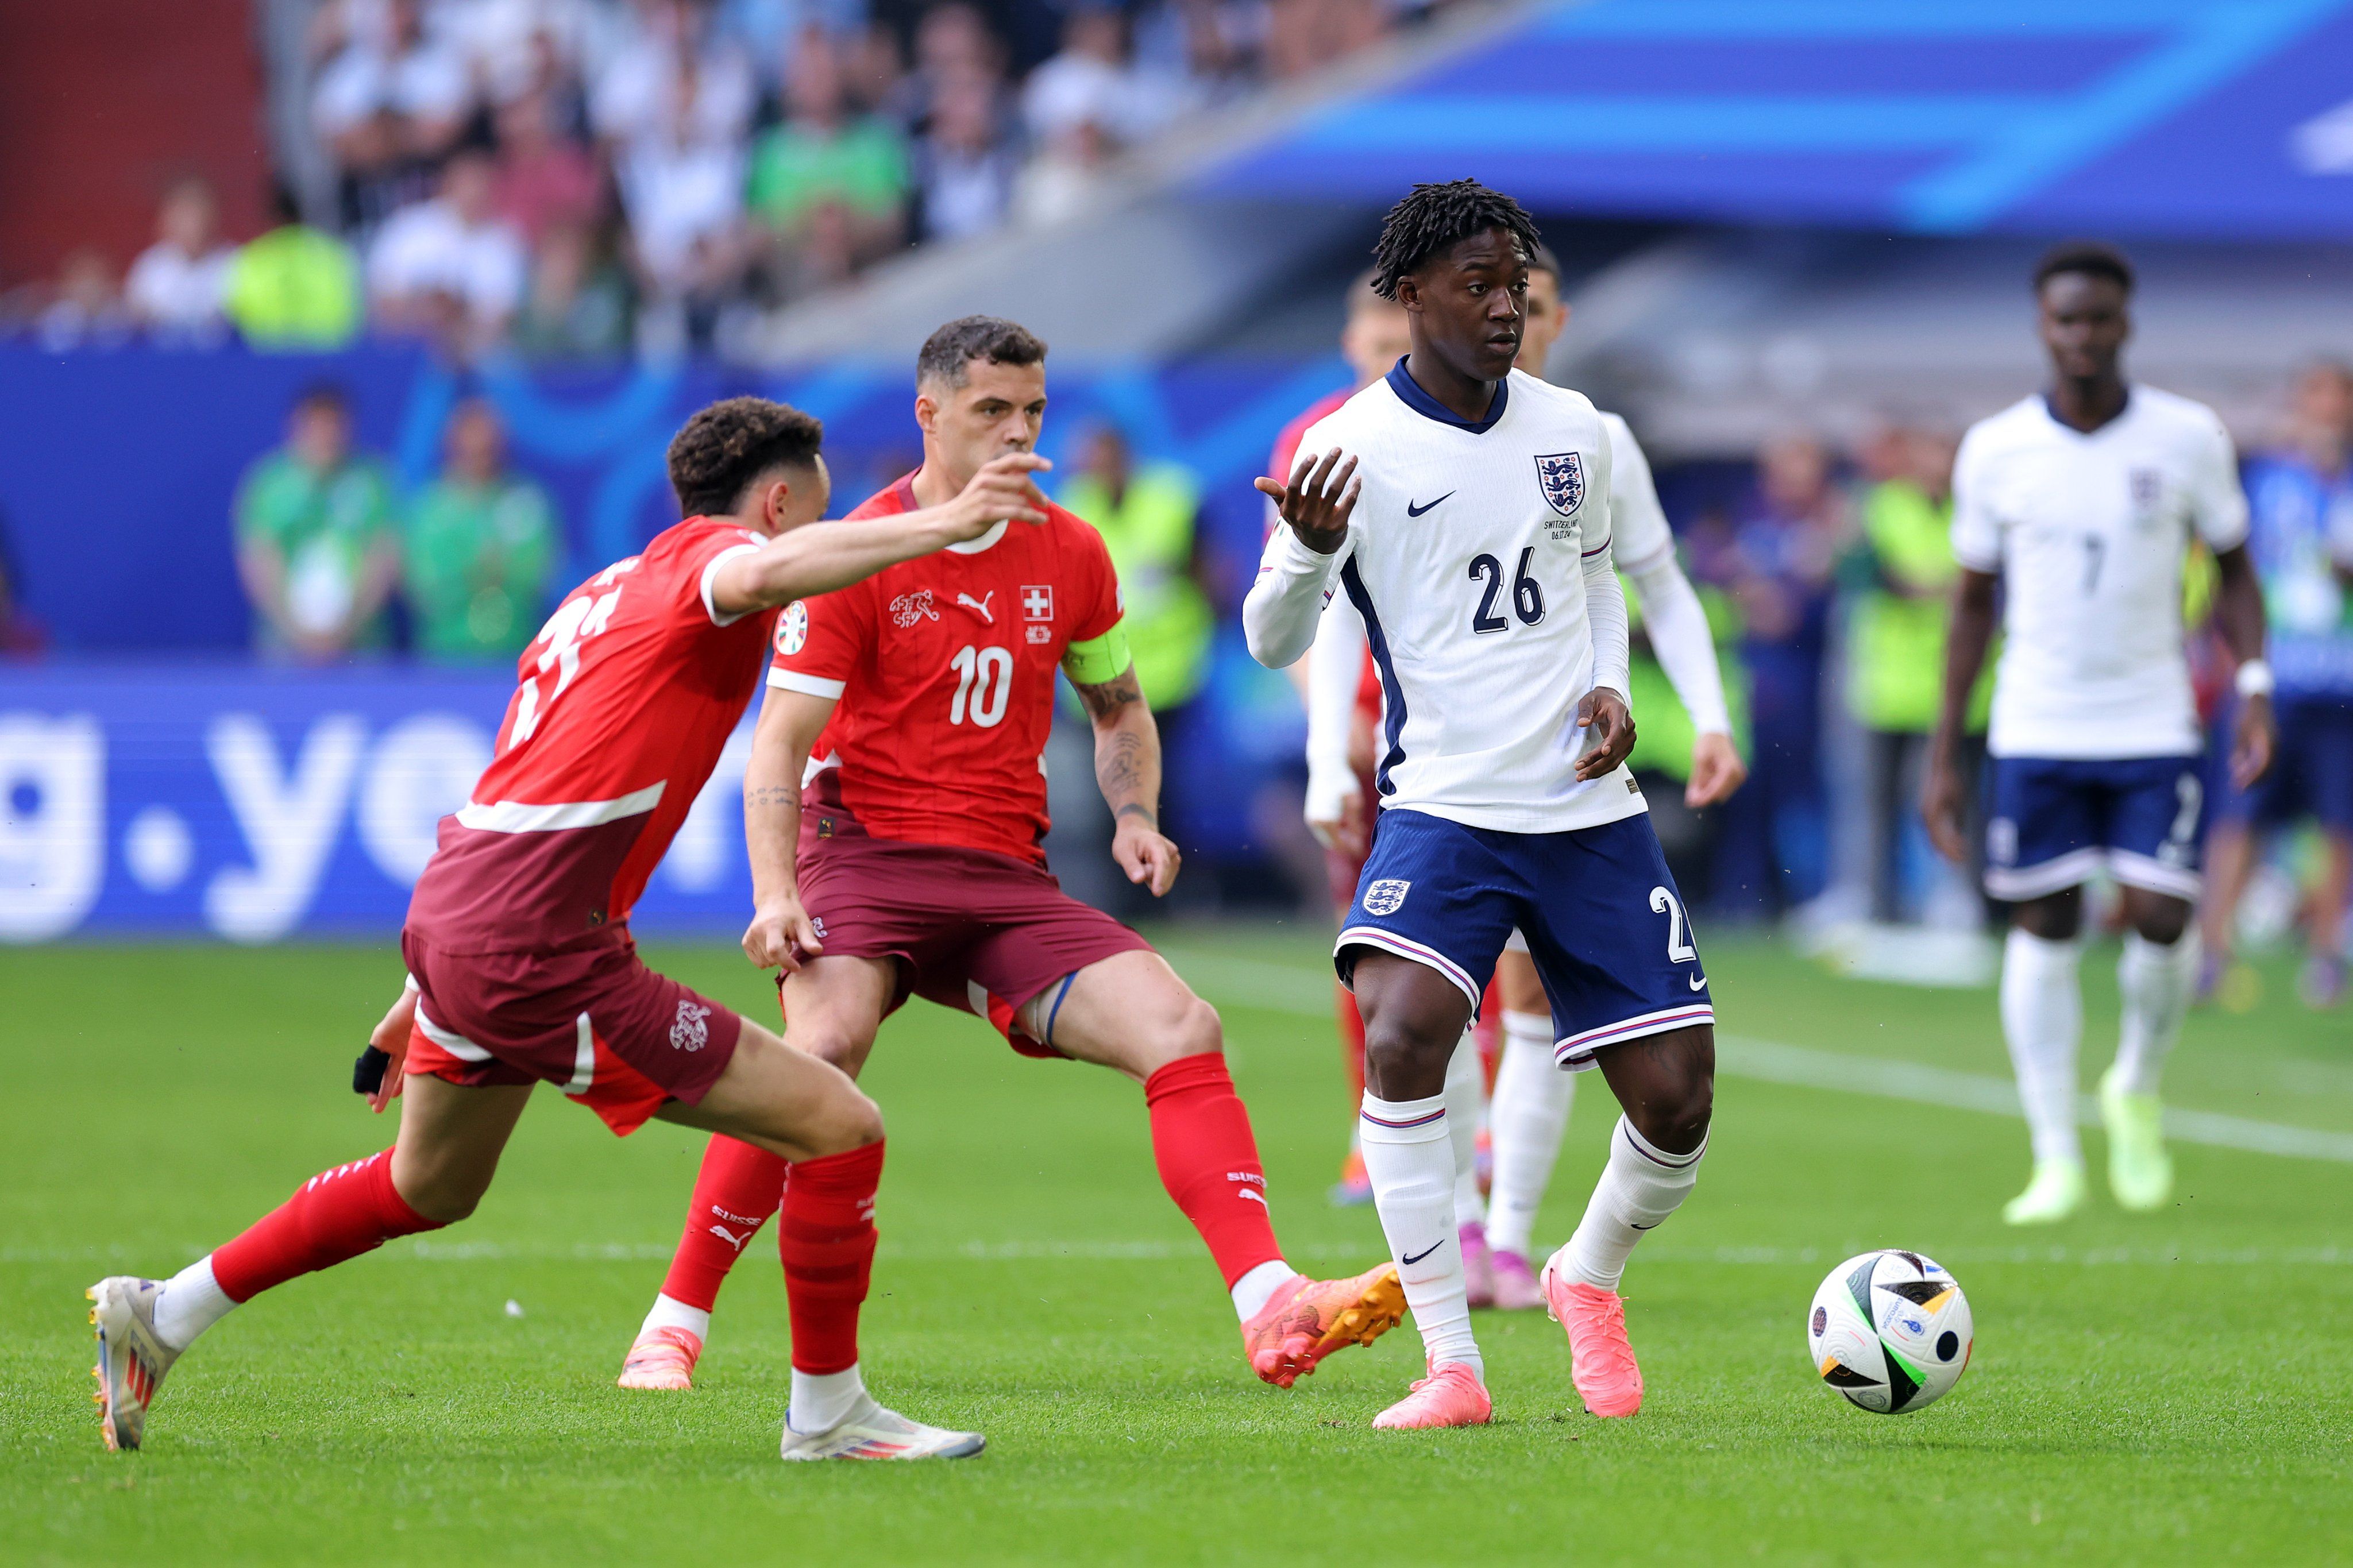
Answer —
1677 1097
835 1045
2161 920
1404 1063
850 1120
444 1196
1191 1030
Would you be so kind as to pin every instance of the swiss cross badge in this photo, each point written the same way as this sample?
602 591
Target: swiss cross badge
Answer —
1037 602
1561 476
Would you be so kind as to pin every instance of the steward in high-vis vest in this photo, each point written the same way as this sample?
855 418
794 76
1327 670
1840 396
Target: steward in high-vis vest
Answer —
1147 516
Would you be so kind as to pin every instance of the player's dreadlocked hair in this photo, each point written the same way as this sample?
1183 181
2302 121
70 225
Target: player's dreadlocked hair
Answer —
2085 256
1432 217
733 442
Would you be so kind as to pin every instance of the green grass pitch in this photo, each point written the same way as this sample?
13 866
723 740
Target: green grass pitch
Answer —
2159 1388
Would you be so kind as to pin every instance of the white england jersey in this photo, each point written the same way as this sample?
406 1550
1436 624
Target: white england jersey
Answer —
1470 556
1638 534
2090 534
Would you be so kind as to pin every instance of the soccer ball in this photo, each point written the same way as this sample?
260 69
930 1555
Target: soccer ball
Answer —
1891 1331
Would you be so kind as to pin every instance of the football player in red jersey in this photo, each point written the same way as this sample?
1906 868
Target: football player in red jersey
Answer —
521 966
1374 338
896 804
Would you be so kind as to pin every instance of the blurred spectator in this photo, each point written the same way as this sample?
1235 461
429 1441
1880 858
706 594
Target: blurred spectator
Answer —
675 79
822 156
84 309
451 269
2301 535
1069 178
579 305
682 190
1304 36
295 287
315 540
1903 570
478 548
545 180
1087 84
178 288
1785 545
389 106
964 166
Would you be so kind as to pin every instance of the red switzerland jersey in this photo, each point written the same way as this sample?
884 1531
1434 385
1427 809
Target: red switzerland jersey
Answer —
622 702
944 672
1278 468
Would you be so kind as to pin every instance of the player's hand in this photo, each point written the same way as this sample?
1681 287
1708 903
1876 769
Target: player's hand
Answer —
1604 712
391 1038
1003 488
2253 740
1148 857
779 926
1339 823
1716 770
1318 501
1943 796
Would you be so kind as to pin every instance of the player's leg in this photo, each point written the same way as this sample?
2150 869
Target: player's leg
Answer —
1466 1115
1132 1013
1341 871
440 1163
832 1006
1528 1114
1610 936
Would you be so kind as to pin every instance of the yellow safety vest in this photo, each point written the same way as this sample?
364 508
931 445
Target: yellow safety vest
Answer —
1149 533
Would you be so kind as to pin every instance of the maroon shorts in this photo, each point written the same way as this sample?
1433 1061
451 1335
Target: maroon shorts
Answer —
619 1037
971 929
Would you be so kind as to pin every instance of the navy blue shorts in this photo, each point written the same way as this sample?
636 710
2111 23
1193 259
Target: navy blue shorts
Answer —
1603 921
2312 775
2056 821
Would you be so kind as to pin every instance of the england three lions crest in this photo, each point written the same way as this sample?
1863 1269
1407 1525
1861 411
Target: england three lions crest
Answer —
1561 476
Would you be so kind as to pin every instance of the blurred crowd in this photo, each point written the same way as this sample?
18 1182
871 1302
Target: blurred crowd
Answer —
593 177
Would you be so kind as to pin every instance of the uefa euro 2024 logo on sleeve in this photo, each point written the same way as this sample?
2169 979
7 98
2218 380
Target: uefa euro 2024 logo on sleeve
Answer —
1561 476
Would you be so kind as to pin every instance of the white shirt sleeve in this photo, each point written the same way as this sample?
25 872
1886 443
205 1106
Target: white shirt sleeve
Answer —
1638 534
2217 502
1286 604
1682 639
1977 533
1605 601
1334 670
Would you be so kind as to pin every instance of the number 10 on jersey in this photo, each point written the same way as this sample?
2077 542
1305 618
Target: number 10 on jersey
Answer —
984 685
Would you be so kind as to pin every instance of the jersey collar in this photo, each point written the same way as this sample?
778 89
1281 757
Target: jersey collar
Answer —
1410 394
2052 415
905 491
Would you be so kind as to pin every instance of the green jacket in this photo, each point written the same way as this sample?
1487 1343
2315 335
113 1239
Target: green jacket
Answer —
295 287
1150 536
1906 569
323 528
476 562
1664 730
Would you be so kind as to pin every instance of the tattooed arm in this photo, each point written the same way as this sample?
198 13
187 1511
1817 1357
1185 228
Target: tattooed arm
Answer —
789 724
1127 767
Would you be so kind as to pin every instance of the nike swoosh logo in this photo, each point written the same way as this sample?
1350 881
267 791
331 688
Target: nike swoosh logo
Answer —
1698 982
1413 510
1418 1256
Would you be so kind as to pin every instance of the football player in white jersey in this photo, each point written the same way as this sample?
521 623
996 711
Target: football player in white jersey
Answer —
1464 508
1532 1099
2083 504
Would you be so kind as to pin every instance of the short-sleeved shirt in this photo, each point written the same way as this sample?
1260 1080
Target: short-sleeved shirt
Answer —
322 527
943 672
475 560
2090 532
861 165
622 703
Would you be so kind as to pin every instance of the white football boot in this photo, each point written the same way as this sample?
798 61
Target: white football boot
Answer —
870 1432
131 1358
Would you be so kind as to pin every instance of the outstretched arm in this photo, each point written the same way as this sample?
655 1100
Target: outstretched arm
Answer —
1294 576
822 556
789 724
1127 770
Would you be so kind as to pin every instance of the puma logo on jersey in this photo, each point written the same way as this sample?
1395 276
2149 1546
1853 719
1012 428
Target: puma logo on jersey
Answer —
978 606
909 608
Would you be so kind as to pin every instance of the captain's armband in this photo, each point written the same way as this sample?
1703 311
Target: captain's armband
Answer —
1098 660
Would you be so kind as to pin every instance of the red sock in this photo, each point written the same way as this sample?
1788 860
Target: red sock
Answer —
335 1215
737 1189
1201 1139
827 1241
1352 1040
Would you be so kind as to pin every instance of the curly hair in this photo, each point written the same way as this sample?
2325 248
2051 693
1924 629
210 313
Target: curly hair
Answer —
1432 217
948 353
2088 257
726 446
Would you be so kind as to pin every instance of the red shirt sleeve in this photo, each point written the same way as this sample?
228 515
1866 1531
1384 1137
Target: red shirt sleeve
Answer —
1097 582
702 552
820 641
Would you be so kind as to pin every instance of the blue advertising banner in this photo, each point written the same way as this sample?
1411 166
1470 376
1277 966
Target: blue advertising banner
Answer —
255 805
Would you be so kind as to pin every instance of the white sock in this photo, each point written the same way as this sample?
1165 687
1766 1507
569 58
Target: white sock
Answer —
1529 1114
1466 1094
1640 1186
1409 1155
822 1400
2043 1018
2155 983
190 1303
1254 1289
673 1313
